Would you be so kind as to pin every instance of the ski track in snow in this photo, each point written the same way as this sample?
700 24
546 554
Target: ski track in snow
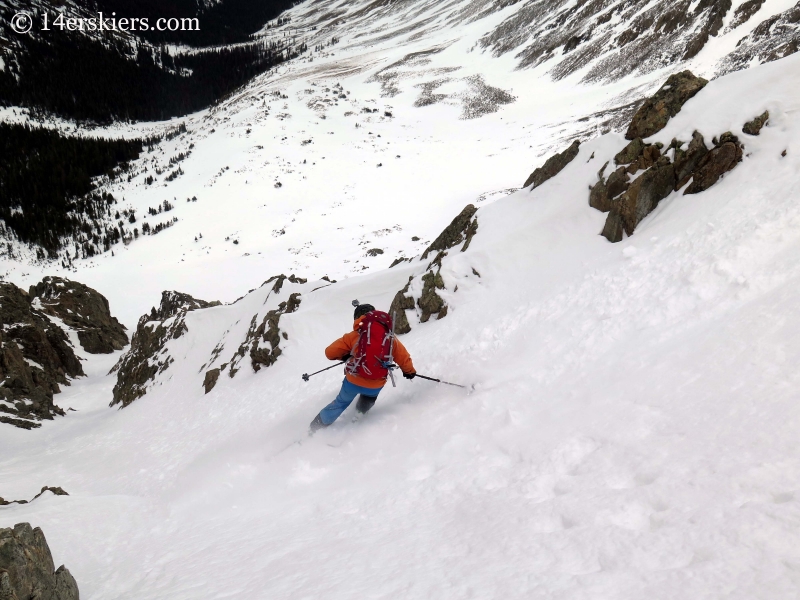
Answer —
633 430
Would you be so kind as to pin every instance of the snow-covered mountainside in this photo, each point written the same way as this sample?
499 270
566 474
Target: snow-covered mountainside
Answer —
628 423
339 152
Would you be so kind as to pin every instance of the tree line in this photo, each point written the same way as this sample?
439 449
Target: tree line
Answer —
47 183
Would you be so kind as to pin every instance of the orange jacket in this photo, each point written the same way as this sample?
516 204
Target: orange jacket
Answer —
344 346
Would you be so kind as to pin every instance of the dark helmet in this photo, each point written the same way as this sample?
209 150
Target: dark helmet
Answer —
362 309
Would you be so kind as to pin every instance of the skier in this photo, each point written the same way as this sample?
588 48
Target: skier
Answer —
368 350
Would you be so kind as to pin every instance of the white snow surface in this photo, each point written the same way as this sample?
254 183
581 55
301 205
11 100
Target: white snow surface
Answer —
633 429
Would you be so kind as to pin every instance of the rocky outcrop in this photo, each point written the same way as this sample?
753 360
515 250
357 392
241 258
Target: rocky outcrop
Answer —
56 491
605 190
686 161
400 304
726 154
461 229
27 571
754 127
698 164
429 302
553 166
36 358
140 365
774 38
262 342
656 111
644 194
82 309
279 281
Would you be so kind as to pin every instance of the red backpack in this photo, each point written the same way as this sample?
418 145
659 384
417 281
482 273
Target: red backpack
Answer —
372 352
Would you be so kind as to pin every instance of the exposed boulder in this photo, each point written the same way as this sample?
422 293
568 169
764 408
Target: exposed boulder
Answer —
82 309
723 158
754 127
604 192
644 194
429 301
210 379
613 228
461 229
27 571
656 111
144 360
553 166
400 304
686 161
35 359
630 153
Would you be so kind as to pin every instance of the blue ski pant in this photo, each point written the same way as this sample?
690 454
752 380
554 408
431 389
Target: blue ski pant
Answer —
346 396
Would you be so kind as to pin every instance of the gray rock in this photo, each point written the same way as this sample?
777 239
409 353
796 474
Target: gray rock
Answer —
26 568
553 166
143 361
35 359
716 163
686 161
603 194
645 193
429 301
613 228
754 127
400 304
461 229
83 309
656 111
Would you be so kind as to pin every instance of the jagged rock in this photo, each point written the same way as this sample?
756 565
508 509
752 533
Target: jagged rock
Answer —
686 161
279 280
83 309
630 152
656 111
268 331
754 127
744 11
374 252
645 193
553 166
58 491
35 358
727 154
461 229
400 304
144 361
27 570
210 380
613 228
429 301
603 193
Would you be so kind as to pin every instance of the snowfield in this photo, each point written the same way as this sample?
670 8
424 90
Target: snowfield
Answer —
632 433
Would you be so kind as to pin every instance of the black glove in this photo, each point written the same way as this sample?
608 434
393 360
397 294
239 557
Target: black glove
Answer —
346 357
409 375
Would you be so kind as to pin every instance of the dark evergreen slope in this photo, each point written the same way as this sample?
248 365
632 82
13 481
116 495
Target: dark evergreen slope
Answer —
46 180
123 76
226 22
80 78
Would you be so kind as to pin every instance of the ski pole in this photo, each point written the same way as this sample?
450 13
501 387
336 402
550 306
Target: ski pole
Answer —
306 376
440 381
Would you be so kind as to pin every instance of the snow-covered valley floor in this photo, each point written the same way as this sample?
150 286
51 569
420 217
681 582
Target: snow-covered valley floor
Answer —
632 433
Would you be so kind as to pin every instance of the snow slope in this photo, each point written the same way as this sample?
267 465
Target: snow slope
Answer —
631 435
457 137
